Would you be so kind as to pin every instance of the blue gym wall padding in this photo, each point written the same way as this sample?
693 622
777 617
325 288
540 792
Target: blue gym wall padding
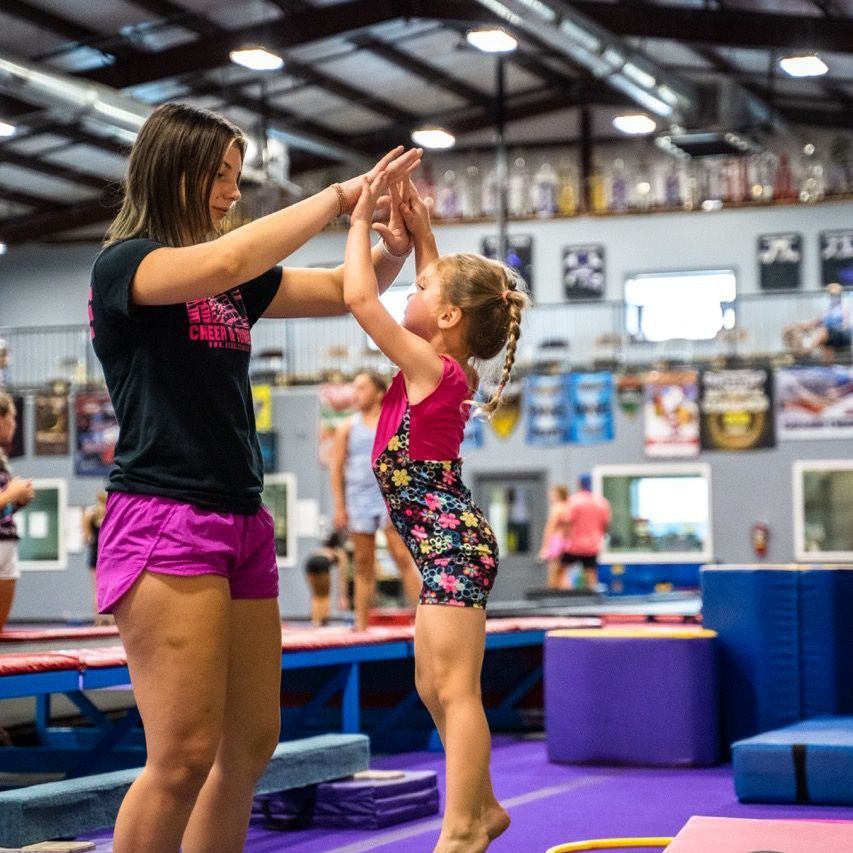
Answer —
755 613
826 640
807 762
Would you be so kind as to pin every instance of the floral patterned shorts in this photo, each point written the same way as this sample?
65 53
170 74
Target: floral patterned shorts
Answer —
446 533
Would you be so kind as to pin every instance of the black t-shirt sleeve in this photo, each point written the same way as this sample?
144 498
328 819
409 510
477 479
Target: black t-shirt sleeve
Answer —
114 271
259 292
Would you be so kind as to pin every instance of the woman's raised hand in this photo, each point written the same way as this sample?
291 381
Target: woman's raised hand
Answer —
397 165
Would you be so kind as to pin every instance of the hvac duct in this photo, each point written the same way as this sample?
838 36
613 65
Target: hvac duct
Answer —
606 56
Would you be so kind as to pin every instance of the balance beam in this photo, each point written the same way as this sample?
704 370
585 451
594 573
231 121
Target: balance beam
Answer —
74 806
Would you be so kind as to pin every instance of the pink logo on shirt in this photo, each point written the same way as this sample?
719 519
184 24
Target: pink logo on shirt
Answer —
220 321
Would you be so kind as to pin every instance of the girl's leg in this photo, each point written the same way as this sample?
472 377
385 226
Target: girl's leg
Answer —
175 633
449 644
320 585
410 577
250 732
364 557
7 596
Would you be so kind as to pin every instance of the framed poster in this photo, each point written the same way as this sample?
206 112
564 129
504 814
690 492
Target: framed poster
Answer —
41 526
836 257
583 271
519 255
279 496
780 261
50 424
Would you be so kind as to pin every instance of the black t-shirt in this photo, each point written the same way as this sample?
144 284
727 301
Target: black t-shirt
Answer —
178 377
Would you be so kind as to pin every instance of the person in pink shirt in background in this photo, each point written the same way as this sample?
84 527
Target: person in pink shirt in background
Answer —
589 520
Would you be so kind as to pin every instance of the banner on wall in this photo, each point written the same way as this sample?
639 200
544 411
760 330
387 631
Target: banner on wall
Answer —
50 424
96 429
474 437
671 414
629 392
779 261
519 255
16 447
592 407
262 401
737 409
548 409
814 402
506 418
836 257
336 405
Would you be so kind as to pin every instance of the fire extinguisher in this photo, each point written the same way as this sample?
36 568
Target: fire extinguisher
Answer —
760 537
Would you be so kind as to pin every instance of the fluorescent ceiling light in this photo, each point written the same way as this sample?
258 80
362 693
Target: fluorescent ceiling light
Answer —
7 129
256 58
491 40
635 124
804 66
433 137
3 248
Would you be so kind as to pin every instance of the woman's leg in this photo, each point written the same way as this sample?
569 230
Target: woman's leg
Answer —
556 573
364 557
410 577
250 732
449 645
175 633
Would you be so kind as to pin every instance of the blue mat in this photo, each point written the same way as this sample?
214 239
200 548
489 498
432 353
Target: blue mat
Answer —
74 806
808 762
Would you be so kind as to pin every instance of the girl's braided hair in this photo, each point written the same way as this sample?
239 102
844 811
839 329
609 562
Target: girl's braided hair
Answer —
492 298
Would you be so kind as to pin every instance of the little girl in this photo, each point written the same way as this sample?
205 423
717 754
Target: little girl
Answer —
464 307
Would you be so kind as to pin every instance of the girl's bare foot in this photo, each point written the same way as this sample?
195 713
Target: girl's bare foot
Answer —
475 842
495 819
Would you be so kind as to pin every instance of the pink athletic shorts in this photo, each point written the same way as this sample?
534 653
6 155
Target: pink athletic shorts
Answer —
155 534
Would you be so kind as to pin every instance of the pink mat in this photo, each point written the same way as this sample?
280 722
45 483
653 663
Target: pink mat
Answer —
12 635
736 835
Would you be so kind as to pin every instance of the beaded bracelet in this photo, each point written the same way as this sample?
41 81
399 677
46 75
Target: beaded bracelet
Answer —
342 201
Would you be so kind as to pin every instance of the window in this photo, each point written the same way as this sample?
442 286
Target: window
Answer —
661 513
823 507
394 299
692 305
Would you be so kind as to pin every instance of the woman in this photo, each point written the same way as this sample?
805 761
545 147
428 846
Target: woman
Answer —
187 559
93 518
15 493
359 508
555 537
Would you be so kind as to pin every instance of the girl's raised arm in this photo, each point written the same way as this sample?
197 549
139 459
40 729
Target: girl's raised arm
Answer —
416 357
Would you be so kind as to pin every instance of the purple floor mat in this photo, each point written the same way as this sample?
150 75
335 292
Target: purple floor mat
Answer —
549 804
